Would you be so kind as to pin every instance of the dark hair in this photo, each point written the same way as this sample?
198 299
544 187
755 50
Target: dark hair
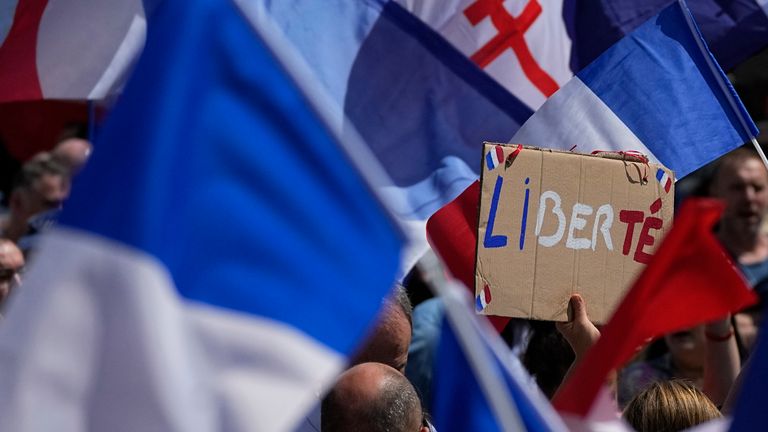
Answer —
40 165
735 157
547 357
399 296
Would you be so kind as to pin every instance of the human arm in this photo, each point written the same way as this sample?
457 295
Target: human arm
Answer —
721 361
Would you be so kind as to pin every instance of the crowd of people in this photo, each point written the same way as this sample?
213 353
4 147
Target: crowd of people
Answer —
38 191
683 379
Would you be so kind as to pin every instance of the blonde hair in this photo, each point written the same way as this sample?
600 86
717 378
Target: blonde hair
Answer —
669 406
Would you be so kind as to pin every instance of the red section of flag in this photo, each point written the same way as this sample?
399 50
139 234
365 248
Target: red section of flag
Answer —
33 126
689 280
499 154
452 232
18 59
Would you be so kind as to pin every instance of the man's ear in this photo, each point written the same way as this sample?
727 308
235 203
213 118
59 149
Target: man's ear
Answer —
424 429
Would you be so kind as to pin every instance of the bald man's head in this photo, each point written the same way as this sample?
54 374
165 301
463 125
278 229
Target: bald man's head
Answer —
73 153
371 397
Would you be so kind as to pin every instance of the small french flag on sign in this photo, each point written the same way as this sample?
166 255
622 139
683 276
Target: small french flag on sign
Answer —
482 299
664 179
494 157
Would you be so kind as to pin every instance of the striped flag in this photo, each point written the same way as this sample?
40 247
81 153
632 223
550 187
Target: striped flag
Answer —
482 299
494 157
220 256
664 180
658 91
478 384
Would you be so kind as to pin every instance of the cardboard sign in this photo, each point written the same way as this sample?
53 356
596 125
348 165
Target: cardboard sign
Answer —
554 223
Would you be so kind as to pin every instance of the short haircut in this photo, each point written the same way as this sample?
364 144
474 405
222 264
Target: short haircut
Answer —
670 405
399 296
40 165
735 157
392 410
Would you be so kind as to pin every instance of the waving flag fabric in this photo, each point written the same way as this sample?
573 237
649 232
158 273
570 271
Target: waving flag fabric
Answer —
750 403
734 29
420 104
219 257
68 49
658 91
479 385
423 82
689 281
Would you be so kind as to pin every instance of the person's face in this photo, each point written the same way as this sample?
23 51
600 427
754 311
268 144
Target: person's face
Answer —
687 347
11 261
743 186
47 193
389 342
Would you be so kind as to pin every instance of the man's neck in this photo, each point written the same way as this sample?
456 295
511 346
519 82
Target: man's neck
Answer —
747 247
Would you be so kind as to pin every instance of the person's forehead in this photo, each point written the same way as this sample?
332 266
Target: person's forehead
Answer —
50 183
738 170
10 256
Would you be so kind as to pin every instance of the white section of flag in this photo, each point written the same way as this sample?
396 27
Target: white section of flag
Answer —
99 336
79 41
130 49
547 39
575 116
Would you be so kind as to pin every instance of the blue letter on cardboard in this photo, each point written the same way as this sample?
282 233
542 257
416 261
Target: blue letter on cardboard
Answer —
490 240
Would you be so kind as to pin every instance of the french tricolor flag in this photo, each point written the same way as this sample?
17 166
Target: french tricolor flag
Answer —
494 157
69 49
658 91
664 180
483 299
210 301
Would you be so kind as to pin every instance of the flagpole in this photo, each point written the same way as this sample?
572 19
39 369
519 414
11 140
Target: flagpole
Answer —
716 72
491 381
759 151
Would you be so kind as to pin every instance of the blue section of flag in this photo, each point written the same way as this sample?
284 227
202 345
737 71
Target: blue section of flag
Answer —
479 303
417 101
750 411
666 81
659 174
213 163
734 30
459 403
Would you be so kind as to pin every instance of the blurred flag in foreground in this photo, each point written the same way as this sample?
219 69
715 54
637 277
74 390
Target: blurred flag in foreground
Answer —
479 385
658 91
69 49
751 401
219 257
690 280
